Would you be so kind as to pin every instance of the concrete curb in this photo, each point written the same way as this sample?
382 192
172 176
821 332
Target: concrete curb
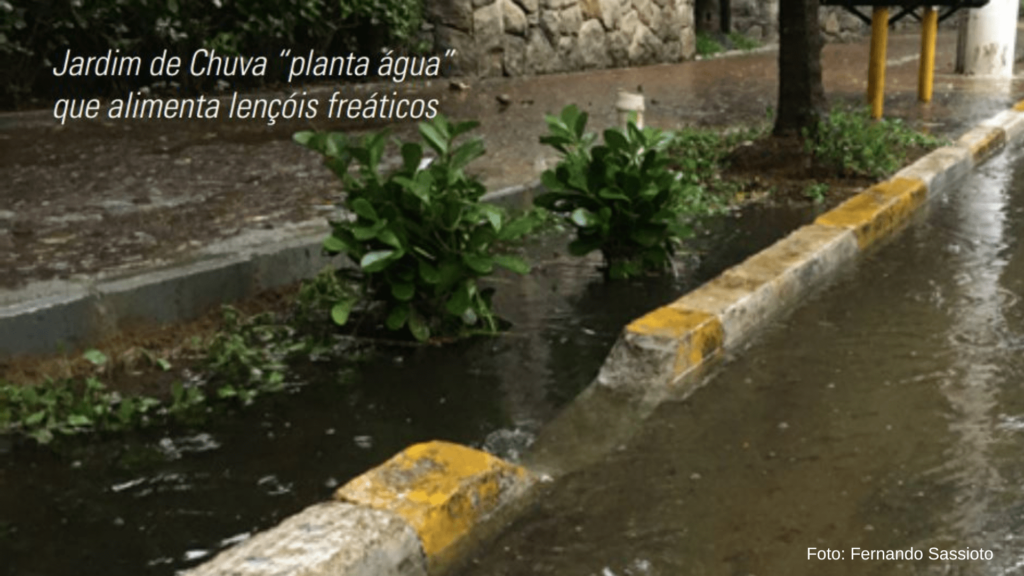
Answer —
414 515
48 317
61 316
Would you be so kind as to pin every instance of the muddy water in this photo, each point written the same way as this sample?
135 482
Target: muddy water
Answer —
886 414
168 499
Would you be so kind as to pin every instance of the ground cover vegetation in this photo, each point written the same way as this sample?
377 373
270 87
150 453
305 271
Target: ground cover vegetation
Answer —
708 44
34 35
422 244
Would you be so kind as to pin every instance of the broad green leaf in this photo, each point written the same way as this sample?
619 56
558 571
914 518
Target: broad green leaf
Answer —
79 420
583 218
334 245
513 263
95 357
646 237
341 310
463 127
450 272
517 228
367 232
609 194
43 436
459 301
35 418
419 187
466 153
434 138
418 327
376 260
480 263
429 274
388 237
493 215
580 123
397 317
304 137
614 138
412 154
363 208
403 292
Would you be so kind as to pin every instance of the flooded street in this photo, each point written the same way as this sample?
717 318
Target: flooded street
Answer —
887 413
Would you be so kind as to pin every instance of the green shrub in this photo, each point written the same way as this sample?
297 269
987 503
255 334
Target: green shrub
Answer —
706 45
620 197
421 235
850 141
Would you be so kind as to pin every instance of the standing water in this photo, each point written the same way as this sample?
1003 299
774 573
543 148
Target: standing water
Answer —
163 500
885 415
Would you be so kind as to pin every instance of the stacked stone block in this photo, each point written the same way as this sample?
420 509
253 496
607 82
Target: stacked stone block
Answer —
517 37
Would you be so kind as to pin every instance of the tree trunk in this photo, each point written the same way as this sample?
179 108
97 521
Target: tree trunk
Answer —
801 93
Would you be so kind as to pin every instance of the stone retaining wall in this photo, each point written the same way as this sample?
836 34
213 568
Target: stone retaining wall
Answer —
517 37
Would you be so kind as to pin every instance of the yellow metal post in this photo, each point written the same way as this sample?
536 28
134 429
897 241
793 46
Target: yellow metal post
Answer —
926 70
876 63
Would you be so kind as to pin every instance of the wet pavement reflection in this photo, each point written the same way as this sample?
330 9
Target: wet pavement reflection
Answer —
887 413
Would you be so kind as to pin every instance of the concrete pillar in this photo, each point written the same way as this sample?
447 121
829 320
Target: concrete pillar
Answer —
988 38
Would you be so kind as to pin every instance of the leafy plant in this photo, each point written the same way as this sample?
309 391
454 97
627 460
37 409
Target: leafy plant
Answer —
707 45
247 356
700 155
620 197
816 192
65 407
742 42
850 141
421 235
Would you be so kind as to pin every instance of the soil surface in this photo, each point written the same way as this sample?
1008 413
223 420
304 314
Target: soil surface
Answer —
783 169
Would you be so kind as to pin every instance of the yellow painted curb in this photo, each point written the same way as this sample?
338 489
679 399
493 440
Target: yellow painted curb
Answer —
877 211
990 140
699 335
442 490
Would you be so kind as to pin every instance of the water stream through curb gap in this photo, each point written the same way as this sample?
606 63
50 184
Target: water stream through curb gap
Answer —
163 500
886 414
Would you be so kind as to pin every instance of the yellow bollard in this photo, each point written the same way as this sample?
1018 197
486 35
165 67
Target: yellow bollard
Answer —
926 70
876 62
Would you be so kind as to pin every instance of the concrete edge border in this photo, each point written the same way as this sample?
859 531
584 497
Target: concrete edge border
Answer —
417 513
55 316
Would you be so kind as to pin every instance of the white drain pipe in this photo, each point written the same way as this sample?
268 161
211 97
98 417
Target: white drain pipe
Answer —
627 103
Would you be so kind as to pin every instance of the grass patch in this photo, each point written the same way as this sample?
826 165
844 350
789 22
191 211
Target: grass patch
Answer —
708 45
852 143
742 42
